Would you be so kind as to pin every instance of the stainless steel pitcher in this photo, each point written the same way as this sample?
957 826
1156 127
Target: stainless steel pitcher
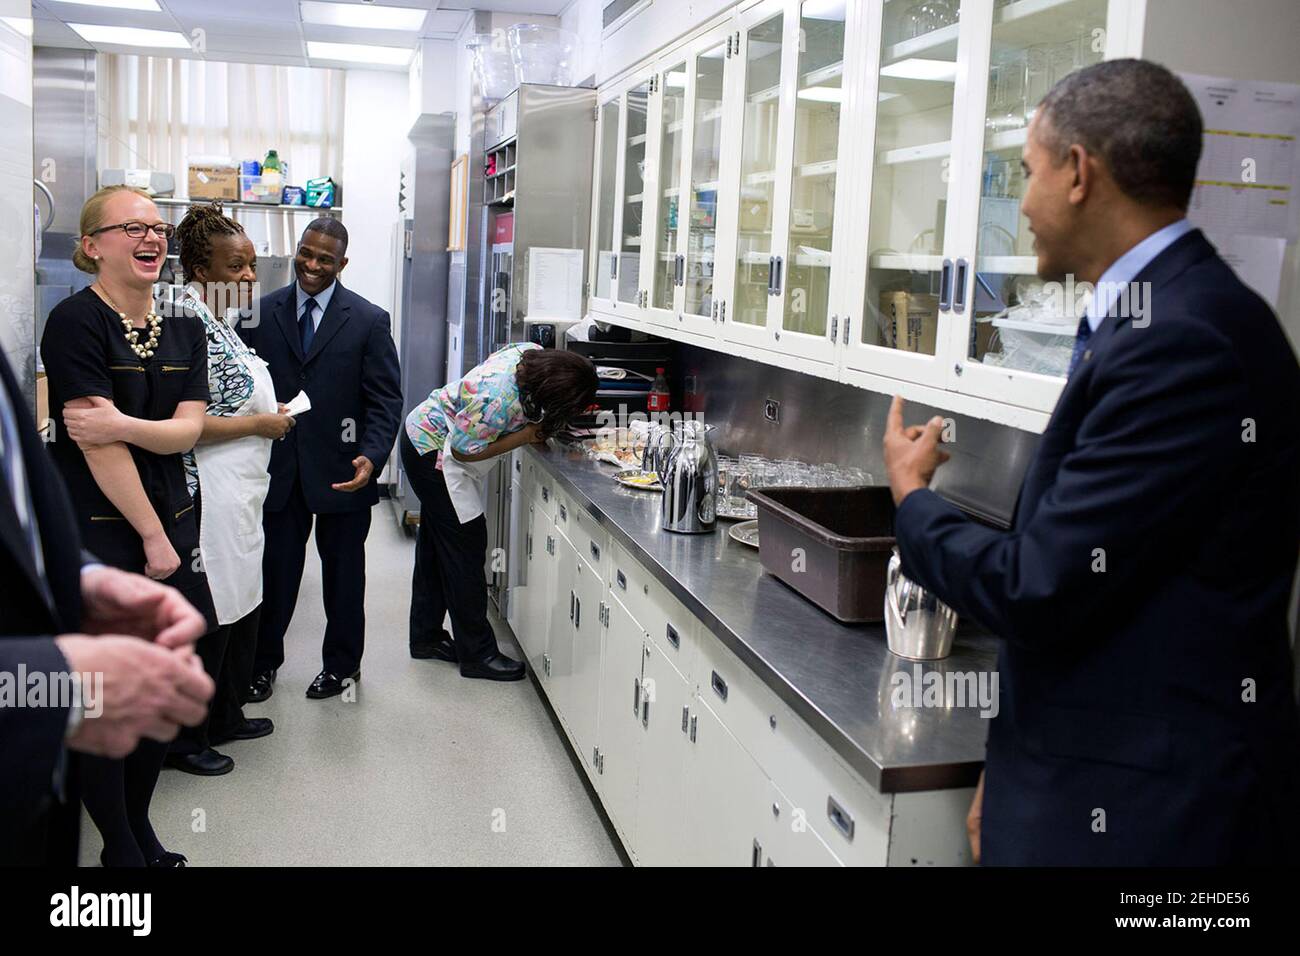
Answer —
918 625
690 480
660 441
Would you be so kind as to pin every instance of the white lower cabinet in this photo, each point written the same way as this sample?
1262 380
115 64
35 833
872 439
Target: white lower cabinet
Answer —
725 816
694 758
661 808
619 733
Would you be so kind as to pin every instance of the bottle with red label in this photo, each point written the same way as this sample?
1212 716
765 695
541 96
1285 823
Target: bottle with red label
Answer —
658 401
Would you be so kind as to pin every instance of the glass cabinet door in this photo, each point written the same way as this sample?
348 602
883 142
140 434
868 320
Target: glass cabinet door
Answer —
804 273
900 327
634 179
606 200
700 226
664 261
1016 335
762 49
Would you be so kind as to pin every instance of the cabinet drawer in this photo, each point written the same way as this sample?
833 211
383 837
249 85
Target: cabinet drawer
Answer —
588 537
850 816
629 582
542 488
674 629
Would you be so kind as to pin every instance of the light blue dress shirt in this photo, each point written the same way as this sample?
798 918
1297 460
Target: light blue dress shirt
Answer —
1125 269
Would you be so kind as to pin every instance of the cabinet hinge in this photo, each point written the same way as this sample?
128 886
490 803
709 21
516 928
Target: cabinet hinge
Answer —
695 721
847 321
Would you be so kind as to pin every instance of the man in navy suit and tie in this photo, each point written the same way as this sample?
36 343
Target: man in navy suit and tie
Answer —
1148 713
329 342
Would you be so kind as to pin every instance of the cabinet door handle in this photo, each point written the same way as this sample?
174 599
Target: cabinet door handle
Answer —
645 711
719 685
776 288
572 597
595 551
945 286
636 697
621 578
840 818
613 271
771 273
959 290
564 513
673 637
757 858
695 722
686 716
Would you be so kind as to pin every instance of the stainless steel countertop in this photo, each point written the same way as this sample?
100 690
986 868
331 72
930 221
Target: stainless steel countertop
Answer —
838 678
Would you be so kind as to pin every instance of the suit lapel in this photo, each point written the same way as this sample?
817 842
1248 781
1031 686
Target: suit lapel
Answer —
334 318
12 535
287 319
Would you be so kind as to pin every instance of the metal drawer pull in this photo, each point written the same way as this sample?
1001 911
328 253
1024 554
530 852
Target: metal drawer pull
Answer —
636 697
771 273
757 859
686 718
577 612
621 578
572 597
776 286
719 685
673 637
695 723
595 551
564 512
645 711
945 286
959 291
840 817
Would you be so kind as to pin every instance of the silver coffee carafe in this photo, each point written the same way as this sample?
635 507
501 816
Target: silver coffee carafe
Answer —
690 480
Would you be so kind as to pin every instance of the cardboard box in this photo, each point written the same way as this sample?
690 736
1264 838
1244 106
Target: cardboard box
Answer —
210 181
909 321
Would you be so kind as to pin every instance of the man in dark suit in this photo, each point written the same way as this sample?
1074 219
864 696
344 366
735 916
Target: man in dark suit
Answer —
136 633
327 341
1147 714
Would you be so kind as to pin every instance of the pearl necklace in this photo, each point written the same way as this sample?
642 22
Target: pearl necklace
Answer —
152 320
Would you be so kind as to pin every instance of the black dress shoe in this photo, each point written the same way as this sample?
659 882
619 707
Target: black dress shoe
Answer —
169 860
442 649
496 667
206 763
329 685
261 689
250 729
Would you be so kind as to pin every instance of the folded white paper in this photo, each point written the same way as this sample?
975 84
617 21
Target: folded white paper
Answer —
298 404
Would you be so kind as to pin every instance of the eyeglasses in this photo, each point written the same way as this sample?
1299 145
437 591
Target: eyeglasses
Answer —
137 230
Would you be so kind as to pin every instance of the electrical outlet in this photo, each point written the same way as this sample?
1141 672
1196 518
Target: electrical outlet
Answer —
772 410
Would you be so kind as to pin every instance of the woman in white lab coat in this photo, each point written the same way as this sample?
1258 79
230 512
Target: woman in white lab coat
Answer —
227 471
520 394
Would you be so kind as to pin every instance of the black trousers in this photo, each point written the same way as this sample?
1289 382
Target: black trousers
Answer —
227 655
449 559
211 648
341 543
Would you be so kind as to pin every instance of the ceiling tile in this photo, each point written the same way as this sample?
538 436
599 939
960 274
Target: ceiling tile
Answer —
275 59
331 34
57 33
443 22
201 11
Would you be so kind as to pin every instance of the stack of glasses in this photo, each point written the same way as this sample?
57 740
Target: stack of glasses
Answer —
736 476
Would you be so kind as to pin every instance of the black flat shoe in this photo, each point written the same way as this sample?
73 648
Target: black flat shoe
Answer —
496 667
329 685
261 689
442 649
169 860
206 763
250 729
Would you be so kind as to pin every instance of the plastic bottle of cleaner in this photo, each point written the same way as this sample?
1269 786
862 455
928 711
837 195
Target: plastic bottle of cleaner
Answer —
658 400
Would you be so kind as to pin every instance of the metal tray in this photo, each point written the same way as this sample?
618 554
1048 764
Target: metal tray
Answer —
832 545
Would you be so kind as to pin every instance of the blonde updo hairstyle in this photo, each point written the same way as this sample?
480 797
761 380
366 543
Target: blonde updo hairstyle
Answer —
92 217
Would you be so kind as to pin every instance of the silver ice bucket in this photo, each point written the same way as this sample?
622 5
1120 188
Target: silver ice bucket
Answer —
918 625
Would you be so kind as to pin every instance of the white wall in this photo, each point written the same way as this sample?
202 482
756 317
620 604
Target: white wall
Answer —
1219 39
17 238
374 139
583 18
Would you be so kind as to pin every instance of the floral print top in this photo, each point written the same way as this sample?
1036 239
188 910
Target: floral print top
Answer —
230 383
481 407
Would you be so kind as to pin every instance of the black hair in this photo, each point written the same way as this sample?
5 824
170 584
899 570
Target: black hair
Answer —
195 233
555 387
328 226
1139 118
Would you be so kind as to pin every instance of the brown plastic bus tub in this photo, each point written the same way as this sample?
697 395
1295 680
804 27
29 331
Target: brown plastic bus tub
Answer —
846 536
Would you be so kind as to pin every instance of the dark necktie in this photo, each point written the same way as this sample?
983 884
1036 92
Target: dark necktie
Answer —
307 327
15 476
1080 343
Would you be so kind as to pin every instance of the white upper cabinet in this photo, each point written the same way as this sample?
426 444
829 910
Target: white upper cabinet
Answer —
834 186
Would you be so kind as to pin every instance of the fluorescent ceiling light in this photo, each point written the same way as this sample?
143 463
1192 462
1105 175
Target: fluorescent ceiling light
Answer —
117 4
362 16
358 53
822 94
22 24
915 68
130 36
